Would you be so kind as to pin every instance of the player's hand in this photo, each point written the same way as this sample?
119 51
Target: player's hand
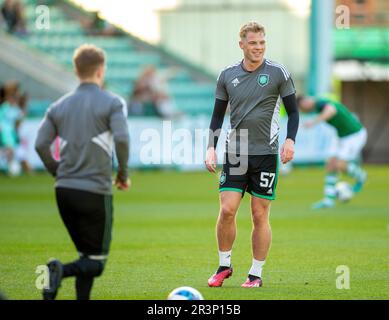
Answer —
287 151
308 124
211 160
122 185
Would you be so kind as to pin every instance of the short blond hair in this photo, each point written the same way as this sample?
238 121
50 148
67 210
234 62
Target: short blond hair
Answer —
87 59
251 27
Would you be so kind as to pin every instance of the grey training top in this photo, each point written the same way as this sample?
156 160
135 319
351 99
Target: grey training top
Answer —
88 122
254 99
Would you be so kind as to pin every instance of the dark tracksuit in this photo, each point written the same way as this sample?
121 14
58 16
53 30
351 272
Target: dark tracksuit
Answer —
90 122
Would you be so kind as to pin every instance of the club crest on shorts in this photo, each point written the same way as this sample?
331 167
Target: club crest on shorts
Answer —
222 178
263 79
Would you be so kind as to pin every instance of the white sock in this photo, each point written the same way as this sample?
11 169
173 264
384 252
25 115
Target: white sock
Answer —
256 268
225 258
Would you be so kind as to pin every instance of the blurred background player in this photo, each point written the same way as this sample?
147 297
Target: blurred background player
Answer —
12 12
144 97
253 88
12 112
86 120
345 152
97 26
150 96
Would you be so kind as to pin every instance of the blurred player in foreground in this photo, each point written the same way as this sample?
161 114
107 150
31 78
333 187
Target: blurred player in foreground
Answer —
86 120
254 88
345 153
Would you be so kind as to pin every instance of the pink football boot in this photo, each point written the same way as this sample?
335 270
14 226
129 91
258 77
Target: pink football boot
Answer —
218 278
252 284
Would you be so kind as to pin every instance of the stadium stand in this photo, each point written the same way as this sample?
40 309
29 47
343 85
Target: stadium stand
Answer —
191 89
363 44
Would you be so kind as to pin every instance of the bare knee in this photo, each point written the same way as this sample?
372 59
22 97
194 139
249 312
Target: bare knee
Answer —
260 218
332 165
260 213
227 212
342 166
229 204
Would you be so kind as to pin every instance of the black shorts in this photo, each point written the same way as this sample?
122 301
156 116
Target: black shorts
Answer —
88 218
257 174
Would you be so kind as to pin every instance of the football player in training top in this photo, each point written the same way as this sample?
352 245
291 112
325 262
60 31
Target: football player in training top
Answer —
254 88
344 153
88 121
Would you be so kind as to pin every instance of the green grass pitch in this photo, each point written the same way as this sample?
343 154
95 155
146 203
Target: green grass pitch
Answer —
164 238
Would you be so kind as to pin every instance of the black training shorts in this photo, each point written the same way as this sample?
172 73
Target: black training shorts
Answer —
88 218
256 174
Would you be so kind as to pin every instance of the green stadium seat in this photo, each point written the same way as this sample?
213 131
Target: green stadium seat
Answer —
191 89
195 106
55 14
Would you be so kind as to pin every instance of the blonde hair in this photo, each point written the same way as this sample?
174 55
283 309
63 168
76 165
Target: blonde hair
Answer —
87 59
251 27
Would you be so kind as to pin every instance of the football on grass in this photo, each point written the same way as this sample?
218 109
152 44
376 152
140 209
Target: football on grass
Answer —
344 191
185 293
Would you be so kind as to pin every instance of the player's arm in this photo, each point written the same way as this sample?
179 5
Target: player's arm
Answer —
217 119
119 129
215 126
46 135
291 108
287 150
326 114
219 110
